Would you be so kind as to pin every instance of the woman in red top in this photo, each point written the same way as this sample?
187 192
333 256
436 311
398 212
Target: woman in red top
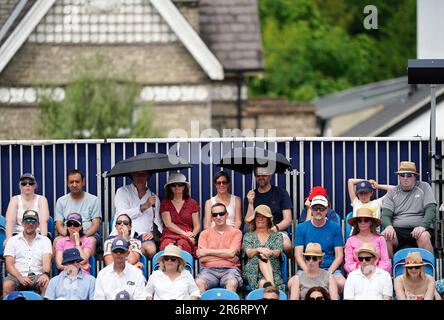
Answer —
180 215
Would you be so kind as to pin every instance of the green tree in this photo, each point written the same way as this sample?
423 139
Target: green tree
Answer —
96 106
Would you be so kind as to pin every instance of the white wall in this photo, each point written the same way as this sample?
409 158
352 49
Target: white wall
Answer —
421 125
430 29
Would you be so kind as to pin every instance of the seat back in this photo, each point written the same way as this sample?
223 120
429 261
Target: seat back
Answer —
51 232
258 294
29 295
219 294
145 266
2 234
399 261
284 267
189 261
348 226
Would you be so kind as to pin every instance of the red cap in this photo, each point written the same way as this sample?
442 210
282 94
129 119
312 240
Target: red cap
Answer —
317 191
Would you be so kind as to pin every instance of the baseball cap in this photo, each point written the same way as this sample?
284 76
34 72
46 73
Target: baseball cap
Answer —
123 295
16 295
119 243
30 214
319 200
70 255
74 217
27 175
364 186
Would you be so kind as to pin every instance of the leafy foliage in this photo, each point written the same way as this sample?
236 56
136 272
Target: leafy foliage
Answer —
313 48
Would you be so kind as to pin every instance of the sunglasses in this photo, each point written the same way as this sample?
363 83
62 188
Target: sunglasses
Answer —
221 214
317 298
119 251
172 259
308 258
364 220
72 224
261 175
125 222
219 183
175 185
406 175
318 208
414 267
30 221
367 258
26 183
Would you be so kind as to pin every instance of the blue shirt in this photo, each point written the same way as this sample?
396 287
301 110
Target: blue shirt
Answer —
62 287
328 236
276 198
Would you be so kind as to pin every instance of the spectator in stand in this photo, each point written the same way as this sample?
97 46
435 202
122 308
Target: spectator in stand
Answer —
270 292
171 281
276 198
72 283
28 258
306 212
414 284
409 211
314 276
84 203
364 231
218 253
231 202
120 280
325 232
27 199
368 282
124 230
75 238
317 293
180 215
262 248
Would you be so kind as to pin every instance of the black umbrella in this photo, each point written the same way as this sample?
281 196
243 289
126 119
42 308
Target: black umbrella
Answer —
153 162
243 160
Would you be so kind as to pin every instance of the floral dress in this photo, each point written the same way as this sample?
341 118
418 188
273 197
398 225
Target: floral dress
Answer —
251 270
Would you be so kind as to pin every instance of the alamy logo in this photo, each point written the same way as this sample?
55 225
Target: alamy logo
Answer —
371 20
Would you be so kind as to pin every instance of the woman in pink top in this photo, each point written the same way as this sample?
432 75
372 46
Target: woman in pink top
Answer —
74 239
364 230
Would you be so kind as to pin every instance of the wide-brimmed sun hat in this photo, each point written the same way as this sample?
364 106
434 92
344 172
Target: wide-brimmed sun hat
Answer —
177 178
172 251
261 209
369 248
407 167
313 249
414 259
364 213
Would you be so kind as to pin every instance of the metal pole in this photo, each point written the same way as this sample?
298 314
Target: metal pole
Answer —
432 147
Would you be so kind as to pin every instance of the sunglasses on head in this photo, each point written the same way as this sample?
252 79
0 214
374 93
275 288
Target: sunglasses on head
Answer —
175 185
27 183
317 298
406 175
215 214
219 183
72 224
363 220
30 221
308 258
367 258
125 222
414 267
318 208
168 258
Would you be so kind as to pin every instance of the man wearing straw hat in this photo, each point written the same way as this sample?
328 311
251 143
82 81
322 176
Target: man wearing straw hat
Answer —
368 282
409 211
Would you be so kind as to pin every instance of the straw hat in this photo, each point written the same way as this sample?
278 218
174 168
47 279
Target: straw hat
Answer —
364 212
172 251
369 248
407 167
263 210
414 259
177 177
313 249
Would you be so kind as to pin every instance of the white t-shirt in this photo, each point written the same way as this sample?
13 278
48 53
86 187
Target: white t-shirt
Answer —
374 205
18 227
359 287
28 258
109 283
181 288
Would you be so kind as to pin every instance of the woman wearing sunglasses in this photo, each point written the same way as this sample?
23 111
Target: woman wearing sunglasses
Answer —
231 202
172 281
364 231
300 284
180 215
123 228
75 238
317 293
262 248
26 200
414 284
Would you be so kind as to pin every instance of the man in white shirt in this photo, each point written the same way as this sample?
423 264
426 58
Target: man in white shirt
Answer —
368 282
142 206
120 280
28 258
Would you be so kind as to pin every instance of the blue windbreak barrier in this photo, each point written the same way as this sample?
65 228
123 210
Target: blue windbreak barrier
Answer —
315 161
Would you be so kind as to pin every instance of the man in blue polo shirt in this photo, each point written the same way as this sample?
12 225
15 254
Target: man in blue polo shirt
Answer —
328 234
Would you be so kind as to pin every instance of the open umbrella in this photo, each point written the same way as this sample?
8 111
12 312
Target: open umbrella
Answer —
153 162
243 160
